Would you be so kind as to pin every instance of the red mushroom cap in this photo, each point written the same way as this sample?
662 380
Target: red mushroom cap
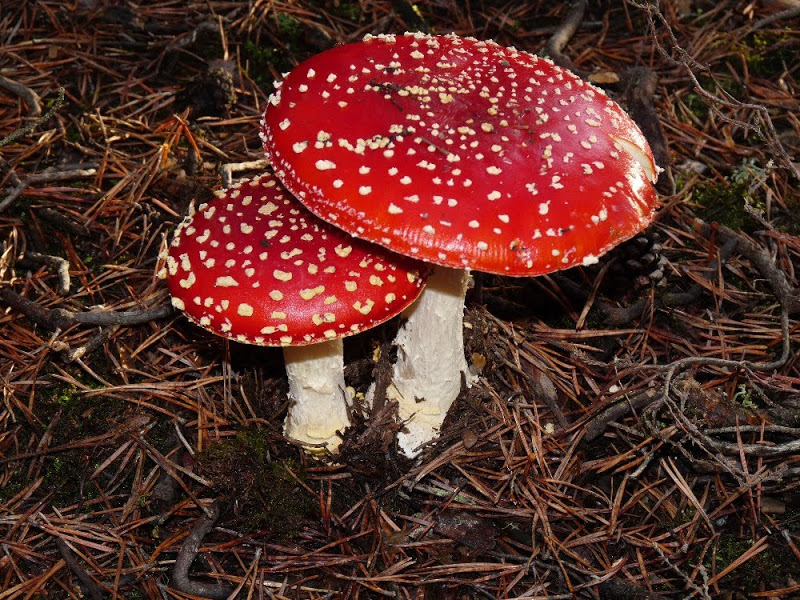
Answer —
255 266
461 152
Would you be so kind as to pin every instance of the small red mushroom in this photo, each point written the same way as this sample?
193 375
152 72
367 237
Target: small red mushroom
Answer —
253 265
465 154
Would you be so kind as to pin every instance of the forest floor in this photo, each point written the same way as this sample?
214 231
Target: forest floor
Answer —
635 432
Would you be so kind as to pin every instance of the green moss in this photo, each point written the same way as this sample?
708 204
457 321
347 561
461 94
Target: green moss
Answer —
766 53
349 11
12 488
63 477
719 85
267 494
724 202
260 59
769 566
744 396
289 26
63 473
65 396
697 104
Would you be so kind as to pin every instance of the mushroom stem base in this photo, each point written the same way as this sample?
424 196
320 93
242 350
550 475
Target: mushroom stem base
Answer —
318 399
430 367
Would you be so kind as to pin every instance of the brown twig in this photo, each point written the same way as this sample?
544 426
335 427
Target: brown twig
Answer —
597 426
561 37
39 121
789 13
188 552
94 590
47 176
616 316
679 57
227 170
59 264
30 97
60 318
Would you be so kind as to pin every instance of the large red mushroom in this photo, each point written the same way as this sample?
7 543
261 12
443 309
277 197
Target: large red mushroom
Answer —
465 154
253 265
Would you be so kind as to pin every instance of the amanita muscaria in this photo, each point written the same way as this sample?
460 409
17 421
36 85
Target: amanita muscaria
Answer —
464 154
253 265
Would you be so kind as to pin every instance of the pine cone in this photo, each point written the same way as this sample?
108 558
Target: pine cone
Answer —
638 261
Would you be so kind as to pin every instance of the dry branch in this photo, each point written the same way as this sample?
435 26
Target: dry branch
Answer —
188 552
48 176
60 318
39 120
30 97
94 590
561 37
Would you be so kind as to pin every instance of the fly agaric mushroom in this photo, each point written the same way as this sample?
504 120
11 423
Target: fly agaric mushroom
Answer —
465 154
253 265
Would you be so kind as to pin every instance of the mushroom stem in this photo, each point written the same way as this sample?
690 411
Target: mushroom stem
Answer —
318 399
426 379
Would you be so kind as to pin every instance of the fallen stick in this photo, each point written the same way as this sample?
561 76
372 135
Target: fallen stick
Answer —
188 552
563 34
30 97
60 318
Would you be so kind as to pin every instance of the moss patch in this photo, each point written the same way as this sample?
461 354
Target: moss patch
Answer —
724 202
772 566
266 494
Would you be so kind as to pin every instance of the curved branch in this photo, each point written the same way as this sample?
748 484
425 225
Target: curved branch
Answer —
188 552
30 97
564 33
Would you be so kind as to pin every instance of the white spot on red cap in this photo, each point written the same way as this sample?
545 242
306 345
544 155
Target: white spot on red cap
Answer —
309 293
364 308
226 281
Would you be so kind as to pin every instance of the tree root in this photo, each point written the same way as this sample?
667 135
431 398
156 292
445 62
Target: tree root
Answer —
60 265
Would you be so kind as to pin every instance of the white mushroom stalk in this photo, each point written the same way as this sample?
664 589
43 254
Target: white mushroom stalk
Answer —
430 367
255 266
319 402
